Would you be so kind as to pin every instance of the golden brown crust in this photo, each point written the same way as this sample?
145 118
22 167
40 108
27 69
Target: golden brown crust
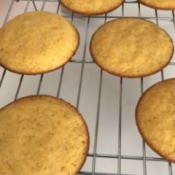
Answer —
140 74
72 108
41 72
87 148
49 56
148 141
129 76
90 13
150 144
159 7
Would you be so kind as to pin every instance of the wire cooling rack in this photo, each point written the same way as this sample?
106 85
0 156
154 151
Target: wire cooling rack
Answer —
107 102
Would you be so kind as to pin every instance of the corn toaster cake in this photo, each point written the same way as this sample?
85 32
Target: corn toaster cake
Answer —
159 4
37 42
42 135
131 47
155 117
89 7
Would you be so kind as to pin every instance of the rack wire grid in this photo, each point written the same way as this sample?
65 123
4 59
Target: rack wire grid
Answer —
106 102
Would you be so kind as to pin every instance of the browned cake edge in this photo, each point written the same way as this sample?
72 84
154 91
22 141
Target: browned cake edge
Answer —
49 70
140 129
129 76
69 105
91 13
155 7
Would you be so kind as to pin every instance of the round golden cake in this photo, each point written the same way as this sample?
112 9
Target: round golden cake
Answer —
37 42
159 4
42 135
155 117
131 47
89 7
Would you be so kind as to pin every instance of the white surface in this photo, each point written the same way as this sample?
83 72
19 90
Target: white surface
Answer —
109 105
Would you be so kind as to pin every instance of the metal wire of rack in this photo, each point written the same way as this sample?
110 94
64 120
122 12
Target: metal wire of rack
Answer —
94 155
